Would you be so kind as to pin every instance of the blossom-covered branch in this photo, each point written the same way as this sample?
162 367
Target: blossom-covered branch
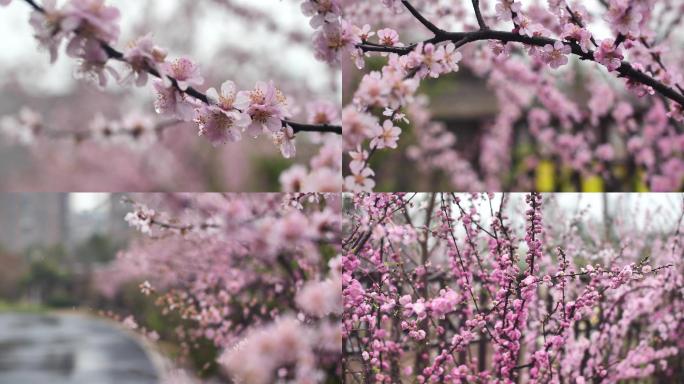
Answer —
607 53
464 288
134 130
221 116
257 276
546 113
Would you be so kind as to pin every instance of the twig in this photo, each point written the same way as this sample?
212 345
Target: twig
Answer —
478 15
625 70
190 91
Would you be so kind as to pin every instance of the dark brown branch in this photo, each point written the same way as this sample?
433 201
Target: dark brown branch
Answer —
117 55
478 15
134 132
429 25
625 70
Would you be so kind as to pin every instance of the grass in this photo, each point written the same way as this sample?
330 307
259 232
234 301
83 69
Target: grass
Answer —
21 307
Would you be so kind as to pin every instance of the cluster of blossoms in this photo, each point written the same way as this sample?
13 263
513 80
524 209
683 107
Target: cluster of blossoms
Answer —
550 35
388 91
332 38
322 175
91 27
497 289
325 169
255 275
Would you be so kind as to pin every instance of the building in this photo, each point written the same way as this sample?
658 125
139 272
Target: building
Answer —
44 219
33 219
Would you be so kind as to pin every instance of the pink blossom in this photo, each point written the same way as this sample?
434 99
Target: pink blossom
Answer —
321 298
92 64
451 57
184 71
23 128
281 343
388 37
359 158
322 112
523 24
292 180
609 55
432 60
356 126
385 136
676 112
506 301
223 121
142 55
334 39
99 21
220 126
129 322
364 33
267 108
322 180
173 103
581 36
605 152
50 27
556 55
360 181
138 130
505 8
624 18
229 99
500 49
141 218
321 11
285 139
372 90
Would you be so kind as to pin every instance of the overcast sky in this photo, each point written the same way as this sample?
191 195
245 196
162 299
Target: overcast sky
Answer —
632 207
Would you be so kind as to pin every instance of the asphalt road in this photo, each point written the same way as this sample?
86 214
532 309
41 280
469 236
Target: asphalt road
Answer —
69 349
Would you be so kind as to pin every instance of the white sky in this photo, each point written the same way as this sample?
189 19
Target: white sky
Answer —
83 202
634 204
629 207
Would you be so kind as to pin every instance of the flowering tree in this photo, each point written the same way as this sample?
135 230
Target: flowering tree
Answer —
586 88
467 288
256 275
222 114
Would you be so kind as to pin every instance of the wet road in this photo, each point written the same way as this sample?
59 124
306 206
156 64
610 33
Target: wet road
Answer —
69 349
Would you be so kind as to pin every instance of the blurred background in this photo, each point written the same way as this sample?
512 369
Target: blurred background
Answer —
57 323
240 40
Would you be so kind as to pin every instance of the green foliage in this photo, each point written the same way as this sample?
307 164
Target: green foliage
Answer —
48 280
59 278
97 249
20 307
270 169
130 301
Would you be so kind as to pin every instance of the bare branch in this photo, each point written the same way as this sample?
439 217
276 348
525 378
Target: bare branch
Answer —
478 15
433 28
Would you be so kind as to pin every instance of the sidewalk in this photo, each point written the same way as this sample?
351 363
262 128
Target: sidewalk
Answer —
72 348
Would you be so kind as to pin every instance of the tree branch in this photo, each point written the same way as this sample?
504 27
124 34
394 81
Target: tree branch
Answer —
478 15
433 28
190 91
625 70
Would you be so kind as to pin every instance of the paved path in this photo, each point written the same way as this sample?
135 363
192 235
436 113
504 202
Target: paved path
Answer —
69 349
